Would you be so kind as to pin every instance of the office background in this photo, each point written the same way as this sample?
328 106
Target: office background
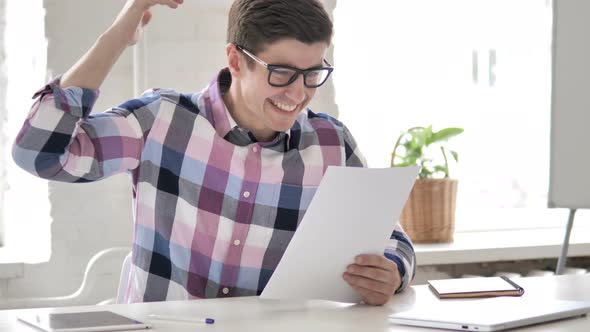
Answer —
46 256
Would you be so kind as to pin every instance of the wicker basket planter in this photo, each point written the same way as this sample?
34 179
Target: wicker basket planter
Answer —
429 213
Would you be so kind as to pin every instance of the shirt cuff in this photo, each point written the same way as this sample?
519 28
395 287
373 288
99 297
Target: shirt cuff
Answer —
401 268
73 100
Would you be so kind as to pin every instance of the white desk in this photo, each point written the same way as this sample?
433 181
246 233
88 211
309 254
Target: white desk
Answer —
253 314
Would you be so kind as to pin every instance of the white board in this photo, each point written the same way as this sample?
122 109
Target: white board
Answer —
569 184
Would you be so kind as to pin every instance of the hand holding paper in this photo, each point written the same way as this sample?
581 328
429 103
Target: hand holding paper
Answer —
353 212
373 277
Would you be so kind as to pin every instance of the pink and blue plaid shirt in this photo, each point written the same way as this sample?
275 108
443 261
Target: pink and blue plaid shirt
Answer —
214 209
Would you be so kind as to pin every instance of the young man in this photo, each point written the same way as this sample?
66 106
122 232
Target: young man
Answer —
221 178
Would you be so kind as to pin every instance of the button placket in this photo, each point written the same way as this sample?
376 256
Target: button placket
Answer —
244 214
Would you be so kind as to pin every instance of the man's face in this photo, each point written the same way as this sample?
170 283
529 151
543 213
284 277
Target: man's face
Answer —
268 109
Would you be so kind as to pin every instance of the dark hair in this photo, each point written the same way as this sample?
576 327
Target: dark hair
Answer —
253 24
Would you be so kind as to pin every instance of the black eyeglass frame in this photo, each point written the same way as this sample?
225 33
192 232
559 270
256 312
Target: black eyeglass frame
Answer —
271 68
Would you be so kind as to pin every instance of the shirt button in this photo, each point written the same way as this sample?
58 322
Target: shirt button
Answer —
255 149
225 290
237 242
246 194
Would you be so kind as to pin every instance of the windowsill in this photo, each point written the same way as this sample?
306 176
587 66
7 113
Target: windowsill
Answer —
505 245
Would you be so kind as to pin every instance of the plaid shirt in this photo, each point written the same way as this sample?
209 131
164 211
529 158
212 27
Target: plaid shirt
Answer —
214 209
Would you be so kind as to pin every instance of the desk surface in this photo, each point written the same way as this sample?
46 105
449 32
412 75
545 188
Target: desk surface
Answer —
254 314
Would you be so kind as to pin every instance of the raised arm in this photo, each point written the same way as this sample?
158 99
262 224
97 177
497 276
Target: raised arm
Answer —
61 141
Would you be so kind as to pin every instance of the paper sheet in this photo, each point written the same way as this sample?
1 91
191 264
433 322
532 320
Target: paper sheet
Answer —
354 211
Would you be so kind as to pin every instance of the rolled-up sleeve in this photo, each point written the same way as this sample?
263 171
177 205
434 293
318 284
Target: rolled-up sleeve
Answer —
61 141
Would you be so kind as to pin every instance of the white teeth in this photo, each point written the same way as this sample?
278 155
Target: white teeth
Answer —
284 107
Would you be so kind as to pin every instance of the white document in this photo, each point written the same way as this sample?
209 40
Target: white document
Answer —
354 211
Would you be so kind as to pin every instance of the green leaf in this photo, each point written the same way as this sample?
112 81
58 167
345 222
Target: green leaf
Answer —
428 135
445 134
439 168
455 155
411 149
418 139
425 173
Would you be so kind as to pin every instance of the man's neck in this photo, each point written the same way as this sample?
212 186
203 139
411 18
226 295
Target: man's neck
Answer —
236 107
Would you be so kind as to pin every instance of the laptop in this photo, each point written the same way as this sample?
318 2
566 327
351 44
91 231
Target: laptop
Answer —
490 314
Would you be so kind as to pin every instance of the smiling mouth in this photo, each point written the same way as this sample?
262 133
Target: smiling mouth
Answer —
283 107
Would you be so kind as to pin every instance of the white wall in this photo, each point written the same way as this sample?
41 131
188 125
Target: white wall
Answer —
185 50
3 87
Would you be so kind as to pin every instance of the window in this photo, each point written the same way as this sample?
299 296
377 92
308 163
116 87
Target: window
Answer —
484 65
25 205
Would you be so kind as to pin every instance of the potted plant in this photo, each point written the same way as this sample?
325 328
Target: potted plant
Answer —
429 214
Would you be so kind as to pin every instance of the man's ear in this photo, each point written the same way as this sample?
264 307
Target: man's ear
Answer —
233 60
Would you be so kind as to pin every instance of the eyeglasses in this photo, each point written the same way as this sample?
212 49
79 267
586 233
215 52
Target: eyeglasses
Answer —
280 76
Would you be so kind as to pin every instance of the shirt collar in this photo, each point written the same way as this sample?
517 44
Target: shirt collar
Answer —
219 115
